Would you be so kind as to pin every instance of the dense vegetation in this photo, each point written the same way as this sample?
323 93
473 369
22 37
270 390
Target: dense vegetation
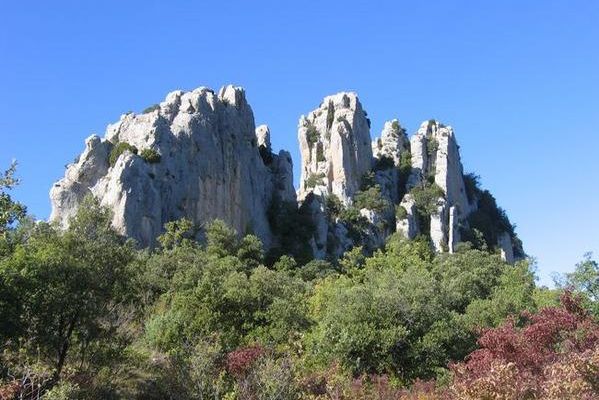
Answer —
86 315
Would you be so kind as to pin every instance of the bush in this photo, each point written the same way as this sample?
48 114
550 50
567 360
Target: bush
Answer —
333 206
401 212
368 180
405 169
383 163
312 134
314 180
320 153
397 129
371 199
426 198
118 149
150 156
472 186
490 219
555 355
432 146
330 115
152 108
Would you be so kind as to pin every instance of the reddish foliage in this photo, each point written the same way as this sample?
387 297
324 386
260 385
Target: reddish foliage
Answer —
10 390
521 362
240 361
334 384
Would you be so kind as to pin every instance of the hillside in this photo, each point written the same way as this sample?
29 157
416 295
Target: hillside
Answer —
180 263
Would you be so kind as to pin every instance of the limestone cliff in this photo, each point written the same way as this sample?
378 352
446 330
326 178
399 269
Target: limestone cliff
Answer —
199 155
196 155
335 147
436 161
415 187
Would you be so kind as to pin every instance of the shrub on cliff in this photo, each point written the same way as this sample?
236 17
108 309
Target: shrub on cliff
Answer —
118 149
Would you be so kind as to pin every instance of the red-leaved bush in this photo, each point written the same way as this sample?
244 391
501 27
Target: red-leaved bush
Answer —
240 361
552 355
555 355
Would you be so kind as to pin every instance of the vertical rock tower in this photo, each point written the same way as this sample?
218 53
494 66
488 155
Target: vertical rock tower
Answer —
195 155
335 147
436 161
415 187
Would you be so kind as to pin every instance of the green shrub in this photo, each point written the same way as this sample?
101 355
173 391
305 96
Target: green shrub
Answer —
401 212
405 169
368 180
118 149
383 163
294 228
152 108
371 199
426 198
472 186
312 134
330 115
150 156
396 128
315 180
490 219
432 146
355 222
333 206
320 154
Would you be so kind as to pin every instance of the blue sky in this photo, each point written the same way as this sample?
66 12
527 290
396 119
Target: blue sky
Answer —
518 81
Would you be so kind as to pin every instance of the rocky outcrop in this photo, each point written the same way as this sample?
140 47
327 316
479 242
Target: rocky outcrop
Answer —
389 151
335 148
196 155
199 155
436 160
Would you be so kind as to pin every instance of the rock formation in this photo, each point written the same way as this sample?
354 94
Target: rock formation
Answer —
207 164
335 147
199 155
436 160
415 187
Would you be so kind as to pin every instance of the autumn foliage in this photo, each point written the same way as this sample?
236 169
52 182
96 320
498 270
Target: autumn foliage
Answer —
554 354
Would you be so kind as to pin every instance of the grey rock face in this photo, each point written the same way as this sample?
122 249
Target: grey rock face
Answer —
435 156
392 143
335 147
407 224
199 155
506 248
210 167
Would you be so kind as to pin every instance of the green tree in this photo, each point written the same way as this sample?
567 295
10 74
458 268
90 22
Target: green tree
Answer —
10 210
225 291
69 287
181 232
467 276
375 324
513 294
584 280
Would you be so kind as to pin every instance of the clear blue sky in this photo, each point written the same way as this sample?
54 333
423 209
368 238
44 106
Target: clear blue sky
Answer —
518 81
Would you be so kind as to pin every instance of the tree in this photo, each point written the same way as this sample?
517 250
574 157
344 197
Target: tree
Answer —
375 323
231 295
10 210
178 233
513 294
69 287
585 280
